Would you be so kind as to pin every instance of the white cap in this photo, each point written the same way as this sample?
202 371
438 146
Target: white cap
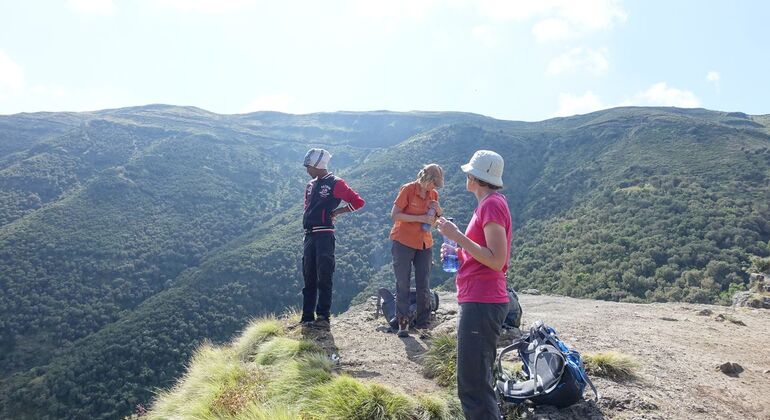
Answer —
317 158
487 166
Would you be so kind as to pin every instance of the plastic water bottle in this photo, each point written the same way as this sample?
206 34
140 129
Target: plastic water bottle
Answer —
426 226
450 263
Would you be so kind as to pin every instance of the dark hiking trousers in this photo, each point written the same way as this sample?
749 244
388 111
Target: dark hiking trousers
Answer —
477 332
317 268
403 259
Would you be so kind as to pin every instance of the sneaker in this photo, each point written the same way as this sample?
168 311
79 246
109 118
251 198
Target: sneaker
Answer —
403 326
322 324
303 324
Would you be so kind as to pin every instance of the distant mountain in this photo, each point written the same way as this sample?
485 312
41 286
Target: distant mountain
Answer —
128 236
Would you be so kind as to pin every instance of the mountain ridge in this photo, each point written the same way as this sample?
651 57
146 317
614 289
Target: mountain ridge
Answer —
163 213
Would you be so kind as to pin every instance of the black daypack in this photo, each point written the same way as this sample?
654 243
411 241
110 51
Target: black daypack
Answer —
387 304
553 373
513 319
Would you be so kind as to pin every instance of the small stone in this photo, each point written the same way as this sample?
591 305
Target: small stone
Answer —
730 368
665 318
767 371
530 292
705 312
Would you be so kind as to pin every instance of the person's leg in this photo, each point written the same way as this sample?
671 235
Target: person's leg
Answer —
402 268
477 333
325 264
309 272
422 263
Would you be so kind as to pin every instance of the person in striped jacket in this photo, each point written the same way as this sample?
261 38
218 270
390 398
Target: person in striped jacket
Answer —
323 196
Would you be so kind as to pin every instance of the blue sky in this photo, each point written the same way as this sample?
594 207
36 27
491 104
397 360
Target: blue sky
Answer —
509 59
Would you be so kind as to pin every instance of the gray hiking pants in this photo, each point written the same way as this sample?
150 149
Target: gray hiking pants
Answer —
403 259
477 332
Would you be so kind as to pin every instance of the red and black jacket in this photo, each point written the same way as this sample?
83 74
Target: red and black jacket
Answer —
322 196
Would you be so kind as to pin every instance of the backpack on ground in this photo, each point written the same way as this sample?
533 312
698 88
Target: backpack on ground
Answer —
386 302
553 373
513 319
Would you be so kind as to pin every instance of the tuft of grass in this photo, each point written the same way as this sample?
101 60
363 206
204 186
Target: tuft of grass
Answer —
259 331
440 361
282 348
514 369
612 365
293 314
288 379
211 371
345 398
257 411
250 388
439 407
297 376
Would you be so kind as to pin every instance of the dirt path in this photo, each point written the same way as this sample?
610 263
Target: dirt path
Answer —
678 347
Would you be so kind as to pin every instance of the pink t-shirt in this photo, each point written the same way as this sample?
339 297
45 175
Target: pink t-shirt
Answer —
475 281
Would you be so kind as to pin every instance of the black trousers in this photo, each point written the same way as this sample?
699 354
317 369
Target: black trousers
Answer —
403 259
477 333
317 268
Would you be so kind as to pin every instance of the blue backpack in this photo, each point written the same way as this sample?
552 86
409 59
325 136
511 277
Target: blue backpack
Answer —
554 374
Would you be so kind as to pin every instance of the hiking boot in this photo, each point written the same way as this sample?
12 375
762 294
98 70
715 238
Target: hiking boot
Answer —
403 326
322 324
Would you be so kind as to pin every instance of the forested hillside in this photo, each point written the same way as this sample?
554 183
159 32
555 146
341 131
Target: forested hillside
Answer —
128 236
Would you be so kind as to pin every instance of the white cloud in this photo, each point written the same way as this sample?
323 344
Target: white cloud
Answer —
552 29
591 15
394 9
281 102
11 75
206 6
485 34
570 104
581 58
713 76
557 19
512 9
92 7
660 94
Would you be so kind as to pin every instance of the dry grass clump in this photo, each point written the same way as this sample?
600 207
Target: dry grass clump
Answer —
612 365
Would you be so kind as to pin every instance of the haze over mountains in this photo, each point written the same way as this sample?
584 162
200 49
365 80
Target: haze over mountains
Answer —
128 236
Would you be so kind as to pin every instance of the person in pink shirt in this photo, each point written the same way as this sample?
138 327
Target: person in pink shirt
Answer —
484 251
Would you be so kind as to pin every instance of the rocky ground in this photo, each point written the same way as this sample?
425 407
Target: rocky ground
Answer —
678 347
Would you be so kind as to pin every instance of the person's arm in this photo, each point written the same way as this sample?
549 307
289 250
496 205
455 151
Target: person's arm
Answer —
348 195
494 255
398 215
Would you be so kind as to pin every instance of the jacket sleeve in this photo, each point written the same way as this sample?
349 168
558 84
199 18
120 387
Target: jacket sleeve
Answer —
344 192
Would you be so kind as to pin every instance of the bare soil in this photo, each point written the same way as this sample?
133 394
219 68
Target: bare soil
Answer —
678 347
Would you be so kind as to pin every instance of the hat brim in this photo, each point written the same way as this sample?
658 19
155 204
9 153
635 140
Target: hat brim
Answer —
468 169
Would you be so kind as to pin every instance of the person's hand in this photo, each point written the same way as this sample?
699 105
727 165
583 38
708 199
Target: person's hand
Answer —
448 229
425 218
334 216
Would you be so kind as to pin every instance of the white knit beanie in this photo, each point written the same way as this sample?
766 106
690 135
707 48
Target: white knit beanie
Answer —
317 158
